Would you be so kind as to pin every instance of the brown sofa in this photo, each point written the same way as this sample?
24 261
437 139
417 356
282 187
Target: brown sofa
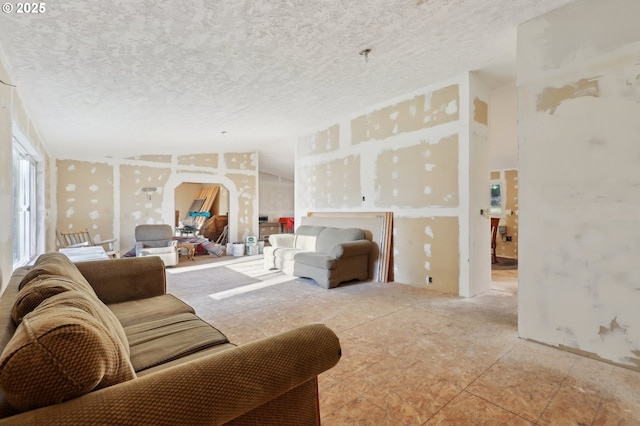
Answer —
103 343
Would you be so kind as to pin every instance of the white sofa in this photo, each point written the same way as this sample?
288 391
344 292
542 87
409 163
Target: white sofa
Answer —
327 255
157 240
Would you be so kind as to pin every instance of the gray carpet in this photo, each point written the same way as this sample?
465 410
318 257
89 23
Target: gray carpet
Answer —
504 263
210 285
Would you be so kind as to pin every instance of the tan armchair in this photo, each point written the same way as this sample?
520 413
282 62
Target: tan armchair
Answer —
157 240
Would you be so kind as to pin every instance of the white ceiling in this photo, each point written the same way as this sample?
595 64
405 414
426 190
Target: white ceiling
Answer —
123 78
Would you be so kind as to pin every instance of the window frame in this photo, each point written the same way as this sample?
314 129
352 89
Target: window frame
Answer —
497 211
27 196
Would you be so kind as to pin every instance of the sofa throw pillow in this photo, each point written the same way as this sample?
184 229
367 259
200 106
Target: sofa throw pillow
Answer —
54 263
60 352
41 288
94 307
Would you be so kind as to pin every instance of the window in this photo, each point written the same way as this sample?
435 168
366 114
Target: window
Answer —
496 198
24 205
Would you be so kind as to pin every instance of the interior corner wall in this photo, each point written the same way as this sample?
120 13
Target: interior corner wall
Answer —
411 156
15 120
503 128
477 167
276 195
106 196
578 109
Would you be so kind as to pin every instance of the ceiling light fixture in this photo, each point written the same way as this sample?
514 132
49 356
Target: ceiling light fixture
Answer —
365 53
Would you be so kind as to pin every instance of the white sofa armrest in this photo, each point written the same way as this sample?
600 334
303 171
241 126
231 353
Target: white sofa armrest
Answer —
281 240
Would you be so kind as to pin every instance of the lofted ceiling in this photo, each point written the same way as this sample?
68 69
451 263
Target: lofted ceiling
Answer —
130 77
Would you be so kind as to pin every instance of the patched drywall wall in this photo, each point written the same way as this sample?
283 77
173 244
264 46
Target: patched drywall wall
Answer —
323 141
410 156
139 207
437 107
202 160
432 250
241 160
85 198
276 195
331 184
503 128
578 109
425 174
153 158
129 205
246 186
15 121
6 197
480 111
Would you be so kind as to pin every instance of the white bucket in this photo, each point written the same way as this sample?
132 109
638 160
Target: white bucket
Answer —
260 247
238 249
229 249
252 249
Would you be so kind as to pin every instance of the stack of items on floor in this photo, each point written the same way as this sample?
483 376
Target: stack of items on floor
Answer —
103 343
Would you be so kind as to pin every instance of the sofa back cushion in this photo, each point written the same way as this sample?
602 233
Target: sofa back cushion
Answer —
41 288
306 237
55 263
329 237
61 350
154 235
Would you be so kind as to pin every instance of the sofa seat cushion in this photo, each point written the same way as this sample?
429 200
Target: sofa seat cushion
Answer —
162 340
318 260
157 250
187 358
61 350
144 310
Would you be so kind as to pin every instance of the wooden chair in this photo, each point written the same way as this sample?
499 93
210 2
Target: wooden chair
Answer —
494 233
82 238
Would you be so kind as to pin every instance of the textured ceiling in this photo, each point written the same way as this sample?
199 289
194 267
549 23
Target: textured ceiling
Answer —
122 78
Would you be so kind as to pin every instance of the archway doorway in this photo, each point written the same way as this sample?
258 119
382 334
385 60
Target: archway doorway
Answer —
210 201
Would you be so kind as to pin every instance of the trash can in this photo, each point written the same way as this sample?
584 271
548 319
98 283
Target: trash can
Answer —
238 249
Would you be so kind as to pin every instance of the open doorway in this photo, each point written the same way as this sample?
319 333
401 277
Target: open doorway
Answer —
203 209
503 165
504 230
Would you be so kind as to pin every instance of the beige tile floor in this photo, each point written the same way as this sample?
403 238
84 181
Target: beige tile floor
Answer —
413 356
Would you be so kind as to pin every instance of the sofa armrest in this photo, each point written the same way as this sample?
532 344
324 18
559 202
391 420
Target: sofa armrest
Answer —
281 240
127 278
351 248
209 390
